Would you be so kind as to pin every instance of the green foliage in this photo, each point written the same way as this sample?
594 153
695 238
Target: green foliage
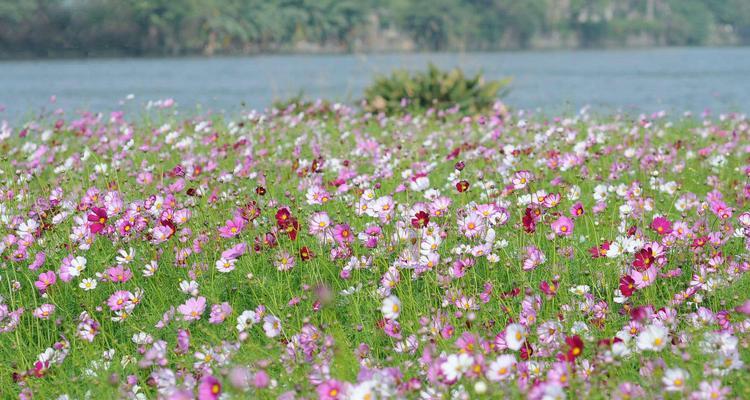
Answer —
433 89
162 27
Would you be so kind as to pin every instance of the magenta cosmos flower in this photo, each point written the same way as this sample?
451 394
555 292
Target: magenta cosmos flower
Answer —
97 219
343 233
563 226
209 389
661 225
331 390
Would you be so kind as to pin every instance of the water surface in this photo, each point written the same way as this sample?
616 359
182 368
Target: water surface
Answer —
673 79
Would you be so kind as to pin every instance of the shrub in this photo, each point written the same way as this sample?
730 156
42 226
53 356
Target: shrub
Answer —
403 91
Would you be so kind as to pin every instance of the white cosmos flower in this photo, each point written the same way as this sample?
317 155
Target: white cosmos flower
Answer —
190 288
456 365
515 336
150 268
125 257
501 368
246 320
272 326
27 228
580 289
87 284
77 265
391 307
674 379
224 265
364 391
653 337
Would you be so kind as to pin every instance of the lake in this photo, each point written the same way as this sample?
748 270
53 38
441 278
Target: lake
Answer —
644 80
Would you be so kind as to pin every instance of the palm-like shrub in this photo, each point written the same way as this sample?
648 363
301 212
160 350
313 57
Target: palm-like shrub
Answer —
403 91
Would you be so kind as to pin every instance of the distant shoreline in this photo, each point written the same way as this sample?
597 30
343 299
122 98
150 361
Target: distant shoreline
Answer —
334 53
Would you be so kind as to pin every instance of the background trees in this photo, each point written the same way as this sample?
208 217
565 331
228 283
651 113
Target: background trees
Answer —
40 28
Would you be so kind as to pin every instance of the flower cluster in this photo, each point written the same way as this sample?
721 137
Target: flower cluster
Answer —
328 253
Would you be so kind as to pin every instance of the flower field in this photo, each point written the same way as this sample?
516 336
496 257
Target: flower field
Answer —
324 252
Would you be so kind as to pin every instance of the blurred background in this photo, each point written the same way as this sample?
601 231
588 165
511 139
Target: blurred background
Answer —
233 54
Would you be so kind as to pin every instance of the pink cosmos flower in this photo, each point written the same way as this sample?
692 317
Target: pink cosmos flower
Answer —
235 251
118 274
534 258
645 278
193 308
233 227
331 390
219 312
577 210
563 226
119 300
343 234
744 308
472 225
39 260
46 279
209 388
44 311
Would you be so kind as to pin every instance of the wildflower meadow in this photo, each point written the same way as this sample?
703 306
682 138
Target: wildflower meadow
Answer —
320 251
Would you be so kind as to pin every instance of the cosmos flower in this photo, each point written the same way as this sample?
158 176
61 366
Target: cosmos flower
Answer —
97 219
515 336
661 225
391 307
502 368
343 234
562 226
209 388
45 280
674 379
232 227
652 338
193 308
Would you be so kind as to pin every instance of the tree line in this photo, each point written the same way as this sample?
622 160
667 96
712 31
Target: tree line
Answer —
59 28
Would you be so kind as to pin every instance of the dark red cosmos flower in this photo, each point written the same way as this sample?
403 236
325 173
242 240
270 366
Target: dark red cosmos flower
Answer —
643 259
460 166
608 342
526 351
632 230
270 240
420 220
305 253
627 286
529 221
169 224
291 227
462 186
575 347
453 154
550 289
282 216
661 225
97 219
511 293
260 190
599 251
699 242
250 211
